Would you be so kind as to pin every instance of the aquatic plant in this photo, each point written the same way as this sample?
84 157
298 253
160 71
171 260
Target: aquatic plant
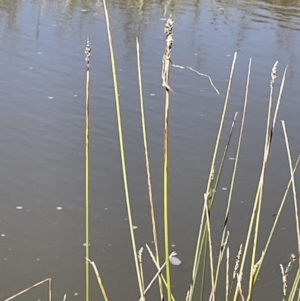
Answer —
204 263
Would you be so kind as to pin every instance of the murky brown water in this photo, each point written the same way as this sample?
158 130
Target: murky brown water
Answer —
42 79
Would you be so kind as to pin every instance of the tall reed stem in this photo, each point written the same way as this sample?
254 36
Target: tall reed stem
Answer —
234 171
149 182
209 192
165 78
87 205
122 152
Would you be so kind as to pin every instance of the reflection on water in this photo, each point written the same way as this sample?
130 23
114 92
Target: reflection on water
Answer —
9 12
42 78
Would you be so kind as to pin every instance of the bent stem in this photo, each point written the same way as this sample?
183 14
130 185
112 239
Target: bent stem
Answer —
49 280
100 283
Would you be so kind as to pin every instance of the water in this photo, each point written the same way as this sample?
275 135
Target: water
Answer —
42 82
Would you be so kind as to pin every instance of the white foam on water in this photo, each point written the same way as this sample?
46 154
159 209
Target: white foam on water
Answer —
40 52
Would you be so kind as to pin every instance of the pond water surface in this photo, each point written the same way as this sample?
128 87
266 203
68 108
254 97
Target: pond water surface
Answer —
42 88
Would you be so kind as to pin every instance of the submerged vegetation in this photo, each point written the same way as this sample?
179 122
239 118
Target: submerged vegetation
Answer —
240 279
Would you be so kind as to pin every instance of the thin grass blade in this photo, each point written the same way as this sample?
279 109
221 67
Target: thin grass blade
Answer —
122 152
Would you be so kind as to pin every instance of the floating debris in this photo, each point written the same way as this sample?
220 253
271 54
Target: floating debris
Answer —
40 52
84 244
2 235
152 94
19 207
224 188
231 158
59 208
134 227
76 294
50 97
173 246
175 260
75 95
